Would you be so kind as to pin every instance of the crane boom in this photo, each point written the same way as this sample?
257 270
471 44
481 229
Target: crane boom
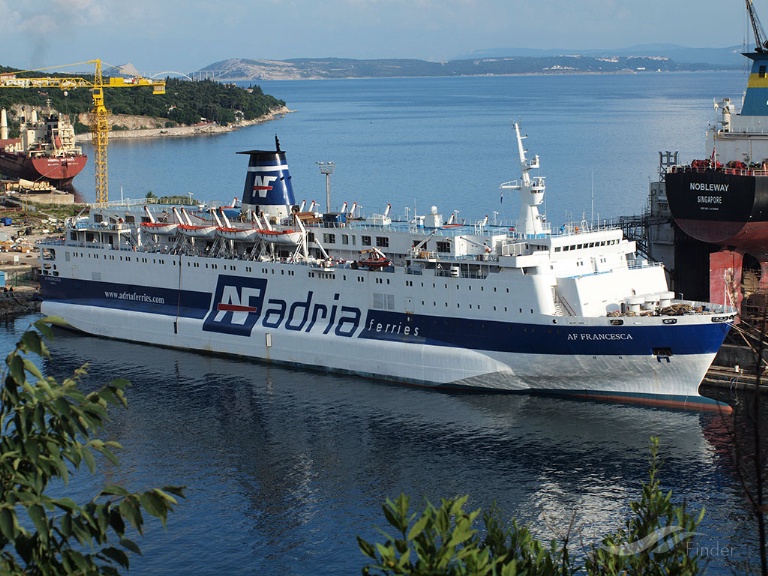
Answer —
760 39
100 114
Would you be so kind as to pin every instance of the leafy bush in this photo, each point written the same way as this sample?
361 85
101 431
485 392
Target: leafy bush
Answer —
48 432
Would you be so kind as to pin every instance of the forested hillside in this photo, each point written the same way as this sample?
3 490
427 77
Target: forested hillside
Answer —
185 102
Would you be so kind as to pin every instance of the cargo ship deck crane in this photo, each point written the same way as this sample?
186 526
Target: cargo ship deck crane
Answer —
760 39
100 120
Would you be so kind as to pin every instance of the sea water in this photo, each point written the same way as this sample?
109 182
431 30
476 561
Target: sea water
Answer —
449 142
284 467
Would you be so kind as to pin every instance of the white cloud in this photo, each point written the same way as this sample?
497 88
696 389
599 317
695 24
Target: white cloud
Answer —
176 34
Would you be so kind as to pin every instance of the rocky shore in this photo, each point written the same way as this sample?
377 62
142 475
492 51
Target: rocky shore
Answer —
147 127
21 300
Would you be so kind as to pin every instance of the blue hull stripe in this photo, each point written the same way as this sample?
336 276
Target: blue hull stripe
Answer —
486 335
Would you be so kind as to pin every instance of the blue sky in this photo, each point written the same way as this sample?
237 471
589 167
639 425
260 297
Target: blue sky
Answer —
186 35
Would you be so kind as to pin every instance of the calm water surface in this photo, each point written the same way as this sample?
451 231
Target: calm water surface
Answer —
449 142
284 468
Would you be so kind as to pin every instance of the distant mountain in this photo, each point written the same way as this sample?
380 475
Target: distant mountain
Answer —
730 57
499 61
122 70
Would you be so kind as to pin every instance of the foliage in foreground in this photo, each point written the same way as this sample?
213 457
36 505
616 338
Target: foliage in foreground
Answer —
443 541
48 431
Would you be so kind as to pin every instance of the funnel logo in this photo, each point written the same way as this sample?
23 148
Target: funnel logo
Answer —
236 305
263 184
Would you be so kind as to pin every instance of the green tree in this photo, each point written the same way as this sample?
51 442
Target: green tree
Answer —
48 431
444 542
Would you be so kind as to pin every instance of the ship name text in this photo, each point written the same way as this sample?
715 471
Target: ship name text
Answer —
601 336
702 187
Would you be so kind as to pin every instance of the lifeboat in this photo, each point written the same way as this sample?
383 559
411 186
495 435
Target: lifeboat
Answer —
373 259
160 228
374 263
192 231
238 234
287 237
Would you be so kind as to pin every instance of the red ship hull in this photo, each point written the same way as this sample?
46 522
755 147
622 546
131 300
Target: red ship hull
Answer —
750 237
59 171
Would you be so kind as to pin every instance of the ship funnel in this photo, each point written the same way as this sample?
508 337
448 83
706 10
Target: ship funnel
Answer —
268 187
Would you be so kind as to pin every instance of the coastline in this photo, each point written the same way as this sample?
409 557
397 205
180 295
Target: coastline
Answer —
138 127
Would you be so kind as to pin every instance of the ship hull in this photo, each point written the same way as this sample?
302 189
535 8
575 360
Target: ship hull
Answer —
324 326
722 208
59 171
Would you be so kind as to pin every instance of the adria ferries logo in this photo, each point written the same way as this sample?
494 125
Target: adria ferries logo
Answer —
263 184
240 303
236 305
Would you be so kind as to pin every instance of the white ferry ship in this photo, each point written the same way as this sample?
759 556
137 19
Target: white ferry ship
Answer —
428 302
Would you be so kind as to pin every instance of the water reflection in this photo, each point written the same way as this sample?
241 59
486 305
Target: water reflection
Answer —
285 467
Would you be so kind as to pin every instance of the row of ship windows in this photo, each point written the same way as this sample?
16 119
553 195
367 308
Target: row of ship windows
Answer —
249 269
328 238
585 245
477 307
458 286
381 241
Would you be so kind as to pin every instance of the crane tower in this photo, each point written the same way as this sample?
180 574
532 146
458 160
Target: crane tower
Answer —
100 114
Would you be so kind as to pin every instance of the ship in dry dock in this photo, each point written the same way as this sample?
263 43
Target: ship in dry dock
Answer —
45 150
721 199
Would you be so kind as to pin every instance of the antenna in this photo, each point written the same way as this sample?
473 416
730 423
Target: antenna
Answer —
327 169
592 217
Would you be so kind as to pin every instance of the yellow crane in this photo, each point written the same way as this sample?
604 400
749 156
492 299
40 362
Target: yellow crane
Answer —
100 120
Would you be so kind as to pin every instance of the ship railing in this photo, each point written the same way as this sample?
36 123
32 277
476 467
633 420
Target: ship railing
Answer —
459 272
719 170
120 203
513 249
564 305
709 307
51 242
643 263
